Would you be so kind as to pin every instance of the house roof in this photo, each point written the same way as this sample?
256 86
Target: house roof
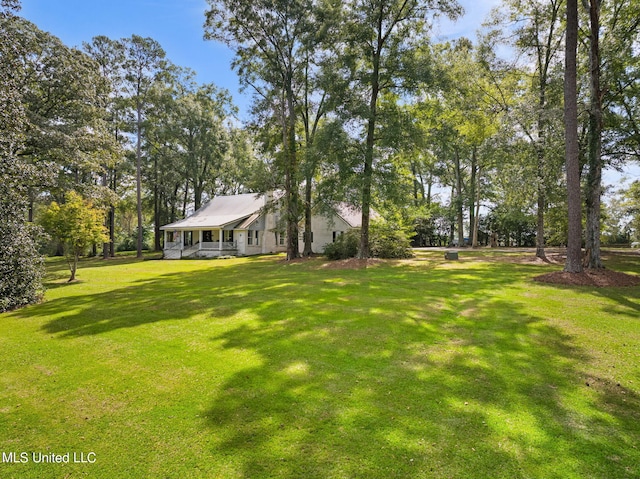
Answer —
353 215
222 211
242 210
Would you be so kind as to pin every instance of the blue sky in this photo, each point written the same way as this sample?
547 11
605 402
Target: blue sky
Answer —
177 26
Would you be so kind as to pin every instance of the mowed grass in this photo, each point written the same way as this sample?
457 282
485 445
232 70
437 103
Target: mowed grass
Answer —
259 368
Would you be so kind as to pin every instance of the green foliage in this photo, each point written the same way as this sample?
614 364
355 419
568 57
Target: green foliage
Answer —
273 43
630 205
76 224
513 226
345 246
386 241
382 39
129 241
21 266
64 99
389 241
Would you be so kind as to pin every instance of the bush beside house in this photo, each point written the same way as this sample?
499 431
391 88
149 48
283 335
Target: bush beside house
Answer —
385 241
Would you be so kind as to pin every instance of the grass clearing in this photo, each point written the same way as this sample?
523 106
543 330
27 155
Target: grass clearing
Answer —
256 368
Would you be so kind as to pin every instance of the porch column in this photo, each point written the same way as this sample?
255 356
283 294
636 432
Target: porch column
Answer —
200 239
182 240
220 242
164 245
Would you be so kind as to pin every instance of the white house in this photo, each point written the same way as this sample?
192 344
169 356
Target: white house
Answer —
241 225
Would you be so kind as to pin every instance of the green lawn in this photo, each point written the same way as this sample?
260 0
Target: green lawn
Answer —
255 368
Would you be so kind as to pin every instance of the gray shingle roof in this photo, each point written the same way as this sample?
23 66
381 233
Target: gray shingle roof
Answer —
221 211
353 215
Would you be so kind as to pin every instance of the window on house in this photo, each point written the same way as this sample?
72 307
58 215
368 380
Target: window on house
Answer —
227 236
207 236
252 238
336 235
281 238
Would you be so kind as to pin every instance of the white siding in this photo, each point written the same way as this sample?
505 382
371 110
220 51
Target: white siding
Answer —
323 228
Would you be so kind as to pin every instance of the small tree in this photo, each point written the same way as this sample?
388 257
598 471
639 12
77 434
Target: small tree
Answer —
77 225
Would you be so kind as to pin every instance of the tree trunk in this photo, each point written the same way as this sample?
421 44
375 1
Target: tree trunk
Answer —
111 216
574 252
367 178
156 207
112 231
542 204
368 168
198 190
174 203
594 176
291 173
476 223
546 53
472 190
308 190
366 192
541 183
459 199
414 174
107 222
139 180
185 198
73 266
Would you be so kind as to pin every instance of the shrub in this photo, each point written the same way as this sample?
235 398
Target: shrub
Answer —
21 265
385 241
345 246
388 241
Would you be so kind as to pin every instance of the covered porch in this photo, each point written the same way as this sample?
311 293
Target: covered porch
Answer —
201 243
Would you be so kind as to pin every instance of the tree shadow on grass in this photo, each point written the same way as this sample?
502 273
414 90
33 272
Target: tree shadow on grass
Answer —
58 268
626 297
166 297
404 384
405 371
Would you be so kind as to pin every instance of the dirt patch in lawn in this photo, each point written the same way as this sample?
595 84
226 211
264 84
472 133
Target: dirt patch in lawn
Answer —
551 257
351 263
324 263
600 278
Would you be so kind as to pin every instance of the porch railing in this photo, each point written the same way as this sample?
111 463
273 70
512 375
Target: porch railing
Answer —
186 251
215 245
